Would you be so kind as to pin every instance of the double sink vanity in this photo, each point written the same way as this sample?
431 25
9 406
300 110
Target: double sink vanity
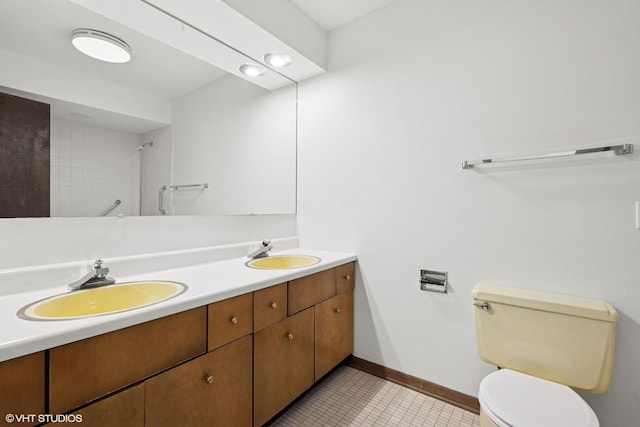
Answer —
234 346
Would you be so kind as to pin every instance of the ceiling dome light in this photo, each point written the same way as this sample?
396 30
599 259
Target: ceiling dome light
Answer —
253 70
277 59
101 45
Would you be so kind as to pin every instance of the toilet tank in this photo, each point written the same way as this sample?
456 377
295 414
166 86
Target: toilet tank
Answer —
565 339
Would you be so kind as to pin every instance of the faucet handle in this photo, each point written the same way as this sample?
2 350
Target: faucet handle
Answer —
266 242
99 270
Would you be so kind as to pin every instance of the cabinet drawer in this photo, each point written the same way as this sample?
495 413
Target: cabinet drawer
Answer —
22 385
345 277
283 364
125 408
269 306
333 332
230 319
85 370
212 390
310 290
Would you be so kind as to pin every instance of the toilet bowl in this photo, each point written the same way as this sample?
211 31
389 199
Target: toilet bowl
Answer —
512 399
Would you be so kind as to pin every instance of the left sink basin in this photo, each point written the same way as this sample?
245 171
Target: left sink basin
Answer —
103 300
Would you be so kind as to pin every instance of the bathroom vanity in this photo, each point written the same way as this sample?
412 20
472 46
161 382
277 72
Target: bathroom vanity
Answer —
234 361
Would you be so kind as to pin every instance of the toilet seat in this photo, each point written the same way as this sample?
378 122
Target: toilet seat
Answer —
511 398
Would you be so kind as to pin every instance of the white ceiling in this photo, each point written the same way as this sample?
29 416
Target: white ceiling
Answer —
331 14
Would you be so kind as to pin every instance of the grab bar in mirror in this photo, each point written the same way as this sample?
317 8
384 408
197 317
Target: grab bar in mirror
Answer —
161 208
110 208
164 188
616 149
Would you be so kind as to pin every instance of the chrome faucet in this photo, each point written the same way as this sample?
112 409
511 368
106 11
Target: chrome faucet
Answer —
262 250
96 277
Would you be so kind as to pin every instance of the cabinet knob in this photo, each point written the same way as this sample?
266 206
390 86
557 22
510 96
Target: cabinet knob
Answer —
346 277
290 335
209 379
234 320
338 310
274 305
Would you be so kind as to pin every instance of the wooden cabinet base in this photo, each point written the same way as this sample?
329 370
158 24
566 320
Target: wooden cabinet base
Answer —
266 348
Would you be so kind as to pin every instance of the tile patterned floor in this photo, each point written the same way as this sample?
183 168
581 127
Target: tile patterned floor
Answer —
349 397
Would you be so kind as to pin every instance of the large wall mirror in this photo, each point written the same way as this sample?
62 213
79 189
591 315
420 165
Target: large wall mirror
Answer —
168 133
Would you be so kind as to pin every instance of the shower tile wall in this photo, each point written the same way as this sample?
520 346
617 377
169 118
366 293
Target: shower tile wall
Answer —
91 167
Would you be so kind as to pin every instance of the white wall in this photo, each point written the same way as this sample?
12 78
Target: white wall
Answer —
91 167
415 88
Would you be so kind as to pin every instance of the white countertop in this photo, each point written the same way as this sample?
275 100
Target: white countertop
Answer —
209 282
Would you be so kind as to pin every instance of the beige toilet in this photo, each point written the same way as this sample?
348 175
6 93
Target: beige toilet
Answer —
547 345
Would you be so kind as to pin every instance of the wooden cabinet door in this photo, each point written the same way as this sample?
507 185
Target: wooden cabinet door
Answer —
333 332
22 386
283 364
211 390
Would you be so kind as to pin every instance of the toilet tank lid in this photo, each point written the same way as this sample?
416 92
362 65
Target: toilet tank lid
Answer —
571 305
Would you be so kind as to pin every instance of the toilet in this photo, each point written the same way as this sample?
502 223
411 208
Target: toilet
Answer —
545 345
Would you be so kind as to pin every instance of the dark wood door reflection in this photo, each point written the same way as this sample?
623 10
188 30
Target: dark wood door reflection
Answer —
24 157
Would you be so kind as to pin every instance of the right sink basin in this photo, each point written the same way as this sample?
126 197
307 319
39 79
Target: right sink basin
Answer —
282 262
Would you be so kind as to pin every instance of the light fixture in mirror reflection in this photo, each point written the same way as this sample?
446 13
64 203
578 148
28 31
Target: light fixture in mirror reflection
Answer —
163 119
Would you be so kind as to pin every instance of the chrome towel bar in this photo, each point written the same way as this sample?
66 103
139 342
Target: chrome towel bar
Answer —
616 149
